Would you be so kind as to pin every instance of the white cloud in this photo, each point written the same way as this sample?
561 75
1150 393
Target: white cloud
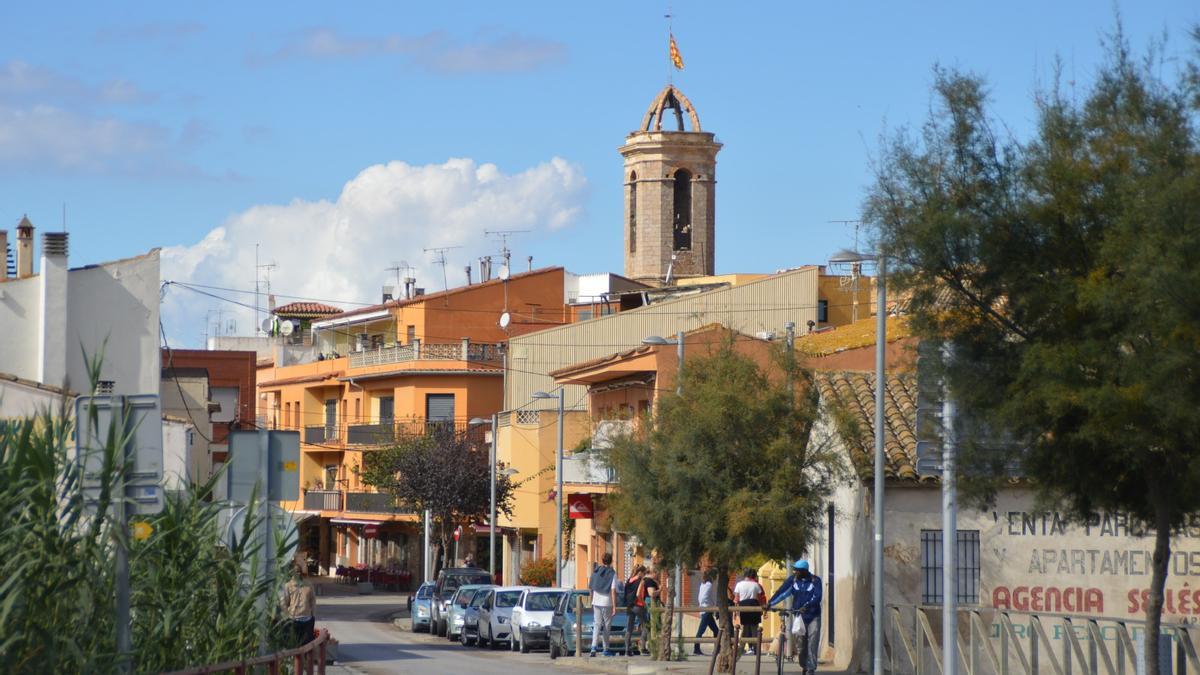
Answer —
22 82
338 250
48 137
435 51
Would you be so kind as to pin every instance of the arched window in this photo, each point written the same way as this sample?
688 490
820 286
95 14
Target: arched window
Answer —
682 220
633 190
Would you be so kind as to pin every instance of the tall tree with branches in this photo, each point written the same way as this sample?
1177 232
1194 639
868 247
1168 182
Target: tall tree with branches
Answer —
445 471
725 471
1063 270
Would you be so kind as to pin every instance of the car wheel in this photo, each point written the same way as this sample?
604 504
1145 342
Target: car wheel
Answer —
553 649
441 627
512 640
524 646
491 637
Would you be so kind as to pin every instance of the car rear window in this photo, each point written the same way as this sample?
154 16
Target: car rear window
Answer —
453 581
508 598
464 597
542 602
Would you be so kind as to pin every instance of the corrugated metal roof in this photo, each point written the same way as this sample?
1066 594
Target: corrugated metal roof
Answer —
764 305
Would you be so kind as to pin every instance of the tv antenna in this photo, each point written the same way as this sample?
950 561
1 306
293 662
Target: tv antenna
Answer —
258 273
441 260
399 267
503 235
851 284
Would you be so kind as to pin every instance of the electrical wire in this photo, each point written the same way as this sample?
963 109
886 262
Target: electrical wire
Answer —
170 369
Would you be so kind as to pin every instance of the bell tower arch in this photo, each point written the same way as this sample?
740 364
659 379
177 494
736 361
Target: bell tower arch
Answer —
670 193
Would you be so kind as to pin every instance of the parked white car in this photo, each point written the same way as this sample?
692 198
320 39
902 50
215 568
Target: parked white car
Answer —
531 616
495 615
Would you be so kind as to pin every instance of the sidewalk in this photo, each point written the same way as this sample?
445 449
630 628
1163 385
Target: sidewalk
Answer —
695 665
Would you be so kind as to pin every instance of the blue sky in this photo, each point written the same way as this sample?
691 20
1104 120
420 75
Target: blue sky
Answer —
324 132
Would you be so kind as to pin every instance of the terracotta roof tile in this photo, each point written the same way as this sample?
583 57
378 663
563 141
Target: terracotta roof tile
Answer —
306 309
861 333
850 399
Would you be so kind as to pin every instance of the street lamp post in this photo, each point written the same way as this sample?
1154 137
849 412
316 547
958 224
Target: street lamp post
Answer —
558 491
853 257
657 340
495 428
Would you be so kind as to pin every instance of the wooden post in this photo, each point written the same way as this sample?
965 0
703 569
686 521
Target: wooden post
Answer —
758 651
579 626
712 664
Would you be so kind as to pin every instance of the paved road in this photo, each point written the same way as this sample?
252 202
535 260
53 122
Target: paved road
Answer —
370 643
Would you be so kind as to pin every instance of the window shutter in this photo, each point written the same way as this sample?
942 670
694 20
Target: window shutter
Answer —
439 407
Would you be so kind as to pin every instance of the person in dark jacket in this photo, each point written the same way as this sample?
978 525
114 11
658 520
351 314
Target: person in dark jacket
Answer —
804 589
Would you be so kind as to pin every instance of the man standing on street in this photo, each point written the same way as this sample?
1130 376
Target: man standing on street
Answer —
299 603
603 585
804 588
706 598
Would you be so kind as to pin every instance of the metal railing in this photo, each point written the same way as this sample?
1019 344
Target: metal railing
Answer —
323 500
304 659
316 434
999 642
373 502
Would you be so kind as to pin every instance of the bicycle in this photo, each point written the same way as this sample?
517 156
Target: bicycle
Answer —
787 640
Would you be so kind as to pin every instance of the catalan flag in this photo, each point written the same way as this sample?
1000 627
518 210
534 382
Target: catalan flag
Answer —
675 57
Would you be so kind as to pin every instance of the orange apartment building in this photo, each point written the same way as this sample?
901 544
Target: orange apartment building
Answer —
622 389
396 368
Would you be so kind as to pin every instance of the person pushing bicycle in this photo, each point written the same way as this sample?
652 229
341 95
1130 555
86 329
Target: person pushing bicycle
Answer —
804 589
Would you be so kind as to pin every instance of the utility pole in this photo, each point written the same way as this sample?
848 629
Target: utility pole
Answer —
949 527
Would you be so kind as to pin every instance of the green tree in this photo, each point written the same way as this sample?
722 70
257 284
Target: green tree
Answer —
1063 270
725 471
445 471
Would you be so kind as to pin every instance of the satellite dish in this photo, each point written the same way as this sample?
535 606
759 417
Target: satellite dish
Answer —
286 328
505 320
266 326
503 273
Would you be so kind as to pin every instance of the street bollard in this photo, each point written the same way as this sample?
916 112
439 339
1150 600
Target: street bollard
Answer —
758 651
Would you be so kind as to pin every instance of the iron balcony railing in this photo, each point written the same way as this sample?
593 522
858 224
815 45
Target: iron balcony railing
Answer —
323 500
456 351
384 433
316 434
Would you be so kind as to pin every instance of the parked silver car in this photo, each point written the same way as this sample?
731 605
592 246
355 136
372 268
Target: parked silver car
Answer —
531 616
495 615
458 608
422 608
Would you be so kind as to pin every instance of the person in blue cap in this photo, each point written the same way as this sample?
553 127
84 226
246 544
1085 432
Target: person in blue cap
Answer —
804 589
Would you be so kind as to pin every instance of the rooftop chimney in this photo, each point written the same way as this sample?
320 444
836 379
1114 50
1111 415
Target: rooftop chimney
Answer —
3 254
409 284
485 268
468 270
24 248
54 244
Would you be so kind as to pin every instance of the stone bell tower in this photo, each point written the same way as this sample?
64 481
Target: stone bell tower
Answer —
670 193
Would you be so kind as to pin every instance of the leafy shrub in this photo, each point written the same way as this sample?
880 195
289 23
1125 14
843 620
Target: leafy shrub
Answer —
538 573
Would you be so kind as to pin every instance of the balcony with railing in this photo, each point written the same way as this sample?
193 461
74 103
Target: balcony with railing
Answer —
457 351
588 467
320 434
323 500
374 502
383 433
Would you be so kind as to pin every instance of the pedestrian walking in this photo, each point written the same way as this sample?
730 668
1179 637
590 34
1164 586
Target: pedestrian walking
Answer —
603 585
299 604
637 618
707 597
749 593
804 589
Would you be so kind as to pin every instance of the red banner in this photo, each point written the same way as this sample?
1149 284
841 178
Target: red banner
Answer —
579 506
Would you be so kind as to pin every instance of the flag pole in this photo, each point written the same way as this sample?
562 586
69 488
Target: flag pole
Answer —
670 37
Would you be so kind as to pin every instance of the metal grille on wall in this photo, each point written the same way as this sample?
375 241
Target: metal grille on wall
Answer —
966 563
